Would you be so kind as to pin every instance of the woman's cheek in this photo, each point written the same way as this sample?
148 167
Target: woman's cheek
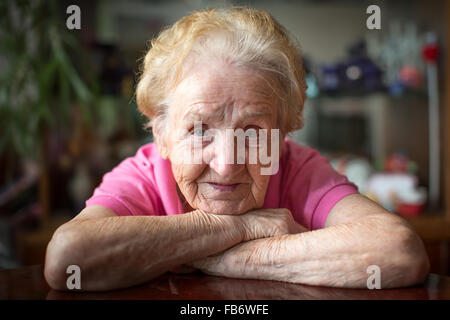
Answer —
187 173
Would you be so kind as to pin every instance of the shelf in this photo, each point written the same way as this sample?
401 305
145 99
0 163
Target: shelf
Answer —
431 226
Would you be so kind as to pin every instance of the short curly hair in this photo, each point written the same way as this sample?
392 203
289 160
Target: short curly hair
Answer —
243 36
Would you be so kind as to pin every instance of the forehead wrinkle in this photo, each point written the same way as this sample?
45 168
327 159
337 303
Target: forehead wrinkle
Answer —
194 112
206 94
203 89
260 110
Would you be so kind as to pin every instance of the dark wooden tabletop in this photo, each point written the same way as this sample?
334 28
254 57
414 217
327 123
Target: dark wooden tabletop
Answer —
29 283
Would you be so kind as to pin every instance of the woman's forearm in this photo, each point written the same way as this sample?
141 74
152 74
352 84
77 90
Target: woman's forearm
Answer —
117 252
336 256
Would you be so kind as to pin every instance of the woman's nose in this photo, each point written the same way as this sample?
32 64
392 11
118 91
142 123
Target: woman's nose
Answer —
225 161
226 169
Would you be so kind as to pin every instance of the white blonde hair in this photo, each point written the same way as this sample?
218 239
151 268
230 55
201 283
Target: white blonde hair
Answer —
243 37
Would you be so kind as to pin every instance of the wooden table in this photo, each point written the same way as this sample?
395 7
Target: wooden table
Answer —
29 283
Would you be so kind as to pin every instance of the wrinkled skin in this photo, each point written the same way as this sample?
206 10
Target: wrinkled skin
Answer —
221 97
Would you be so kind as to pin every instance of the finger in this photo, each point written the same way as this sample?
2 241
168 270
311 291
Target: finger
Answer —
198 264
299 228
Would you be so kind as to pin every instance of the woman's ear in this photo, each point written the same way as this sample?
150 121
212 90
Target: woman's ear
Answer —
162 151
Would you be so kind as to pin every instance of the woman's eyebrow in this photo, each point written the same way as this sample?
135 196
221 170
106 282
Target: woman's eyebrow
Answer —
256 113
193 115
250 114
261 111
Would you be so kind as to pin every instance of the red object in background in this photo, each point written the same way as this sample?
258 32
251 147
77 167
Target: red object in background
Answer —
430 53
409 210
410 77
396 162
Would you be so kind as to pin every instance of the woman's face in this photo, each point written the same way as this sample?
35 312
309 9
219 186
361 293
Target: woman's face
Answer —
206 107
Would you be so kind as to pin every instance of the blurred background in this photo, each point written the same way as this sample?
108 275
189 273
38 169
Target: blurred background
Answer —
378 105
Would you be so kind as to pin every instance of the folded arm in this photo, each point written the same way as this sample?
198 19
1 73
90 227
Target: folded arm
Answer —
116 252
358 233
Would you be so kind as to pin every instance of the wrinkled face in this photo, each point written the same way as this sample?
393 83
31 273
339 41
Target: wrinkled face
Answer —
206 107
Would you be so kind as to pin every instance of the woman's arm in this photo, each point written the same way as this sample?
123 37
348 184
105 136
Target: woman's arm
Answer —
115 252
358 234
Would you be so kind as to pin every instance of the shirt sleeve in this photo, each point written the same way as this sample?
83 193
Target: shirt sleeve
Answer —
126 190
315 187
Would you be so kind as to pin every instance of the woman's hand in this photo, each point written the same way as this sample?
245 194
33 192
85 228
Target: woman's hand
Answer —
264 223
255 224
230 263
358 234
268 222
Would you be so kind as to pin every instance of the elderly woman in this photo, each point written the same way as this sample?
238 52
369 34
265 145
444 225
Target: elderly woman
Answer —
197 198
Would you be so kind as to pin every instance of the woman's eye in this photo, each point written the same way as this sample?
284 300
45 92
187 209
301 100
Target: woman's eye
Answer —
252 132
199 132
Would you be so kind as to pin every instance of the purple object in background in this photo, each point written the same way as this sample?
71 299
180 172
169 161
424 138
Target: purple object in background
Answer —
330 78
356 74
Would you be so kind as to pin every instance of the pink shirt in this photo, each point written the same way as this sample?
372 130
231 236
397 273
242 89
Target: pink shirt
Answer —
305 183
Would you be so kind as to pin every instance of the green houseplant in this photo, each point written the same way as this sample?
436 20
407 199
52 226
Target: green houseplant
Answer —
40 83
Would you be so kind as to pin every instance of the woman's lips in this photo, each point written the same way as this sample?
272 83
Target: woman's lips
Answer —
223 187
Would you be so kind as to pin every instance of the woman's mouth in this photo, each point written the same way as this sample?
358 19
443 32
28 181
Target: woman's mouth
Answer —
223 187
